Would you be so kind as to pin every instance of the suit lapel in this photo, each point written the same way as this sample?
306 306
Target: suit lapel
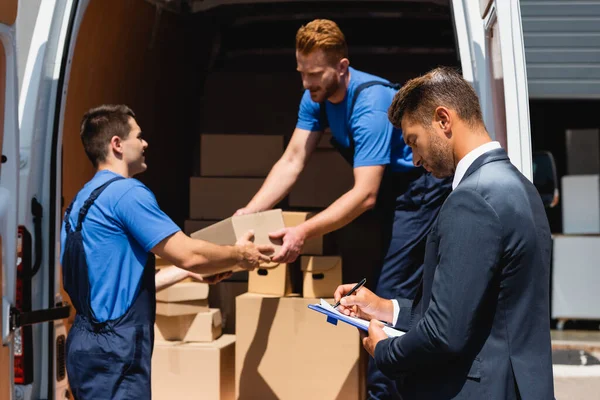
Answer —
490 156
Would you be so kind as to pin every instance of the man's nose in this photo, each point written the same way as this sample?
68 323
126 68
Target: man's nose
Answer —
145 145
416 160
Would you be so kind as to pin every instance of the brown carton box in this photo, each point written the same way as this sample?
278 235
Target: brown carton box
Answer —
239 155
202 327
192 225
222 296
325 178
228 231
275 280
322 275
183 291
218 198
181 308
286 351
295 218
186 371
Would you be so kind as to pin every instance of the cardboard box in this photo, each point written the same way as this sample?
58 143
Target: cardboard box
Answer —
183 291
275 280
581 204
322 275
185 371
228 231
181 308
192 225
239 155
294 218
218 198
583 151
202 327
325 178
222 296
286 351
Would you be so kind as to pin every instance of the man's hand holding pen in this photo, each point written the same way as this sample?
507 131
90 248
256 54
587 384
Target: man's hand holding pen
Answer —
366 305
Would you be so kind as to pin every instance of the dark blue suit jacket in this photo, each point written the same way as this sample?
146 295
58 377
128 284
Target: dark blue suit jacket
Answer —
480 325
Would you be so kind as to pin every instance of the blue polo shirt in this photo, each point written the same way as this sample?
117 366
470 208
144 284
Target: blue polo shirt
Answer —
376 140
121 227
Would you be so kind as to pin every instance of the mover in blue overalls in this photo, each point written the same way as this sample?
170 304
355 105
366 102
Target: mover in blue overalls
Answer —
406 198
109 234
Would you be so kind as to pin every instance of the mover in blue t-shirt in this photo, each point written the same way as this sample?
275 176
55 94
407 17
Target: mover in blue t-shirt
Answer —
108 237
406 199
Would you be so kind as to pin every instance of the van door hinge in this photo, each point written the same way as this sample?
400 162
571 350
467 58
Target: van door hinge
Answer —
19 319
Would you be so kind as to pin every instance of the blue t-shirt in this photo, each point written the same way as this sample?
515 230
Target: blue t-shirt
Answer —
376 140
120 228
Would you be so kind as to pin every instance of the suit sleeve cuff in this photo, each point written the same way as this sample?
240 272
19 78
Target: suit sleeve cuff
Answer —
383 359
402 313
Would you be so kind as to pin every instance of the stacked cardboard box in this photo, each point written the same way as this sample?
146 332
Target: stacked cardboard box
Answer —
227 232
284 350
232 169
188 340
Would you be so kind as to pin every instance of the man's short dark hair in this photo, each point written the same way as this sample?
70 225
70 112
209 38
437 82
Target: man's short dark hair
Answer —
443 86
99 125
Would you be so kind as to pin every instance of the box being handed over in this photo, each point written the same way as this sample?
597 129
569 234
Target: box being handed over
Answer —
228 231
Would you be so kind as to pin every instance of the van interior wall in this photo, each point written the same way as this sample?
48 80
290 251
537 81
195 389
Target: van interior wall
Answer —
126 53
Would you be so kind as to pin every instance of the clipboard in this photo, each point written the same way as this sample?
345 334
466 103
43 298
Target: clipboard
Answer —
333 316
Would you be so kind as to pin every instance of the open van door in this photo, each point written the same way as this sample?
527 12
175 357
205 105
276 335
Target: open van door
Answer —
490 42
9 143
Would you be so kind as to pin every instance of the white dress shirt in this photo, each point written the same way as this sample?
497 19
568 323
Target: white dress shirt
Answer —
461 168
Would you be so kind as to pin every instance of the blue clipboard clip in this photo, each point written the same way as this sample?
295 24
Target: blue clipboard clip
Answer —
362 324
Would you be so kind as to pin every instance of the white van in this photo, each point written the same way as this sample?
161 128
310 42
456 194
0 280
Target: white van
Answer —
156 56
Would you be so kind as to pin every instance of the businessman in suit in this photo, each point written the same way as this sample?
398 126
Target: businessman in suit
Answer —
479 325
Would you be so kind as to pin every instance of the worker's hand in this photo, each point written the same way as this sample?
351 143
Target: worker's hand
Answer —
250 254
245 210
212 279
293 240
363 304
376 335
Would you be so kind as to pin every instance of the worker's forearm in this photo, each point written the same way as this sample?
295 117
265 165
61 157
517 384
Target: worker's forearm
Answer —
169 276
209 259
282 177
340 213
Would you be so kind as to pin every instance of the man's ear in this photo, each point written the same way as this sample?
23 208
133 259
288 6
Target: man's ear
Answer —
116 145
443 120
343 65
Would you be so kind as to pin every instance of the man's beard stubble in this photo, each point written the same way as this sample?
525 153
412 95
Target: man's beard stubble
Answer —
441 160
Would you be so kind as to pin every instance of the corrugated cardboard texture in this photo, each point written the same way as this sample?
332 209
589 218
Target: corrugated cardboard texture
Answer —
239 155
222 296
218 198
322 275
325 178
286 351
202 327
181 308
184 291
294 218
186 371
276 281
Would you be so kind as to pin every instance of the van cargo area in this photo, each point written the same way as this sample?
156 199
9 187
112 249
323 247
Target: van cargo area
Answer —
229 70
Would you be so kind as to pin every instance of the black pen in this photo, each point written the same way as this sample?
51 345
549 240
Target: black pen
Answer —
354 289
